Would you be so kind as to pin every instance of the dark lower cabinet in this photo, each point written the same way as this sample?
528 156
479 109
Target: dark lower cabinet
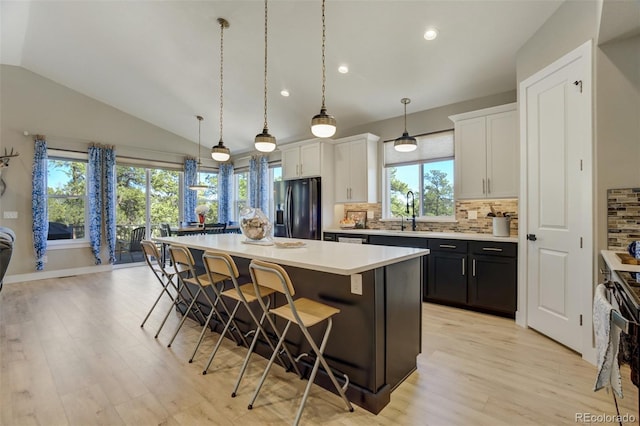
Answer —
493 278
447 277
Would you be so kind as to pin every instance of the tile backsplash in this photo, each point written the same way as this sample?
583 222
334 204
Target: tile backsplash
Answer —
623 217
481 225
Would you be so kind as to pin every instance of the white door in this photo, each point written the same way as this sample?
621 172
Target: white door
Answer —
310 160
358 176
291 163
342 156
557 123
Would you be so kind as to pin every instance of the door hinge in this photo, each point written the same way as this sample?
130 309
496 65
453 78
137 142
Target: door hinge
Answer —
581 320
580 242
579 84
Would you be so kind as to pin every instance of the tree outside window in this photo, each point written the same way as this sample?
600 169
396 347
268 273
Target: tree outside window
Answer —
66 189
431 183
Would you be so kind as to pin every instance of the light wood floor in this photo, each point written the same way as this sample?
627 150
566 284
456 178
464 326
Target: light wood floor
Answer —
72 352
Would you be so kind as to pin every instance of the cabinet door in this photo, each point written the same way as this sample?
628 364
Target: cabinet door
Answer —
358 170
310 160
502 155
290 163
470 162
447 280
341 166
492 283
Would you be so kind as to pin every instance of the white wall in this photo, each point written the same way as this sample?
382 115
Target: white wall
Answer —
617 124
69 120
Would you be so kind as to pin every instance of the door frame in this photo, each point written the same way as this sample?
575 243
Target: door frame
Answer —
586 275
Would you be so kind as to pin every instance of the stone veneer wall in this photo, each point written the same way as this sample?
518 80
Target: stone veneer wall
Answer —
482 225
623 217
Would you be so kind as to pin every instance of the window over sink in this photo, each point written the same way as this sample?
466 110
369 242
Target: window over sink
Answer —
427 172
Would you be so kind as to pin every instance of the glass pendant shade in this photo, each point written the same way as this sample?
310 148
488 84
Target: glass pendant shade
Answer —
264 142
323 125
405 143
220 152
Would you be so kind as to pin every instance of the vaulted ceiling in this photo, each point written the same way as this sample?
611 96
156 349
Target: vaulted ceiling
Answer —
159 60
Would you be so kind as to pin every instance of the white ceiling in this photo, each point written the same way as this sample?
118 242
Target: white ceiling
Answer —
159 60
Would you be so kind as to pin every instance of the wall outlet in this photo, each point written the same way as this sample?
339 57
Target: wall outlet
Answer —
472 214
356 284
45 258
369 214
10 215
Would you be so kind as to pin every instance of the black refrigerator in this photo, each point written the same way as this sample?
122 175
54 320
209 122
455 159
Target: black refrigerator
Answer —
298 209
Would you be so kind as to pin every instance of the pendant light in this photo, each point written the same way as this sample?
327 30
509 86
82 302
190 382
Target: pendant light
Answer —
220 152
198 186
264 142
323 125
405 143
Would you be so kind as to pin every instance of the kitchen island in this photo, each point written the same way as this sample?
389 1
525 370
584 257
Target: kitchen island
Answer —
376 337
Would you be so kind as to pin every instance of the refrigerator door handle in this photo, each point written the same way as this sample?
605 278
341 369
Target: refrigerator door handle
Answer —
287 213
313 191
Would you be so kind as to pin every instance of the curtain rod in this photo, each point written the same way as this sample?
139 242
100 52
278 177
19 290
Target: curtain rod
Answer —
423 134
89 141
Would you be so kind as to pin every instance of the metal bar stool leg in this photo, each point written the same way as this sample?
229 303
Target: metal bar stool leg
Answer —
266 370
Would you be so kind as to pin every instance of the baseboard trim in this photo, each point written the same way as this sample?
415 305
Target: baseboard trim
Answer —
59 273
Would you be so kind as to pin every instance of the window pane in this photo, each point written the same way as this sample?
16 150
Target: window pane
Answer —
131 200
241 192
66 188
209 196
164 198
438 188
403 179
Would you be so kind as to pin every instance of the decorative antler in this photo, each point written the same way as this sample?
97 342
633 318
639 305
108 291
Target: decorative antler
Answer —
4 159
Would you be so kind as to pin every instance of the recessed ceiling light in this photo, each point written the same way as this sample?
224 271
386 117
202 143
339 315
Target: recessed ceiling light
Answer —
343 69
284 92
431 34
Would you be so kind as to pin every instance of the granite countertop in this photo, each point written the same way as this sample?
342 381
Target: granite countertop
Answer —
326 256
426 234
613 261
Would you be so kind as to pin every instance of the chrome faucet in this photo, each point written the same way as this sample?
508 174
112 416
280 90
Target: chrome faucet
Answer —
413 209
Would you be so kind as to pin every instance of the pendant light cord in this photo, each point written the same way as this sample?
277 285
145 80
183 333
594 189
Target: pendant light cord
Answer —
265 62
323 46
221 74
405 117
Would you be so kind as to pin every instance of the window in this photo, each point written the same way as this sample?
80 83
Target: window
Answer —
275 175
67 195
240 193
209 196
427 172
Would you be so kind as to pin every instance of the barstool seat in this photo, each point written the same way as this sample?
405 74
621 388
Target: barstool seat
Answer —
302 312
221 264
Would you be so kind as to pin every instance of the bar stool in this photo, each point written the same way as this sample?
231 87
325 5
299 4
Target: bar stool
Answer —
182 258
304 313
164 276
217 263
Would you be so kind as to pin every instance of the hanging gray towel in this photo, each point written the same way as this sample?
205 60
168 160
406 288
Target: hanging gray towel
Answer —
607 342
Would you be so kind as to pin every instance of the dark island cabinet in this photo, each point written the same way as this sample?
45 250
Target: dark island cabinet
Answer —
493 277
447 277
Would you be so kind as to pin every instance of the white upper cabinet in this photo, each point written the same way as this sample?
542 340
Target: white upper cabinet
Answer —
356 169
486 153
301 161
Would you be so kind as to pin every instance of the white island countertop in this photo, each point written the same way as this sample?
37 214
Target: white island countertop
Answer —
425 234
325 256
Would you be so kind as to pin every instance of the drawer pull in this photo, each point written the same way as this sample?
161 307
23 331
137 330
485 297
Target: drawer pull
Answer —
491 249
463 269
473 268
447 246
